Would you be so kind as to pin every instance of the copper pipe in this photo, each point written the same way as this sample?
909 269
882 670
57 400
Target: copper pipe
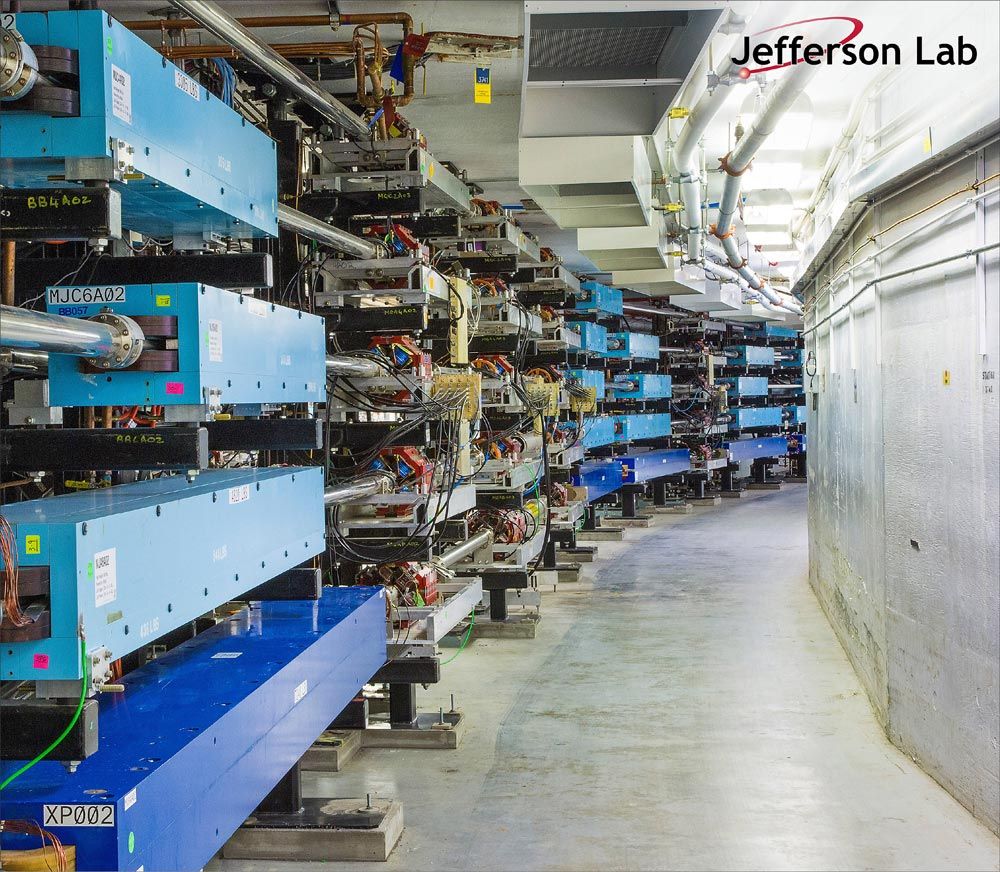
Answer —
262 21
106 417
404 20
88 417
9 247
286 50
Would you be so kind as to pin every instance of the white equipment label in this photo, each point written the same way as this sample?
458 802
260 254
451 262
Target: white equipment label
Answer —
215 341
7 21
78 815
300 693
256 307
239 494
105 579
87 294
186 84
128 800
121 94
226 655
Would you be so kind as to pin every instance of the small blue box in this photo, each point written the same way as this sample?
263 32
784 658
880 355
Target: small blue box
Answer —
595 297
750 355
593 337
748 417
648 386
633 346
747 386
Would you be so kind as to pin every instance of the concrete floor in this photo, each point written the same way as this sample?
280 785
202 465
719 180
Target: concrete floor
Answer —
688 709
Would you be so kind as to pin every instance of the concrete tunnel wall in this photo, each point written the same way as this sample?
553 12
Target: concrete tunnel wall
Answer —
903 480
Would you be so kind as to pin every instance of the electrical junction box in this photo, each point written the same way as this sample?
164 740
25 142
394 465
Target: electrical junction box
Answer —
229 349
747 417
747 386
642 386
595 297
750 355
128 564
183 161
593 337
643 346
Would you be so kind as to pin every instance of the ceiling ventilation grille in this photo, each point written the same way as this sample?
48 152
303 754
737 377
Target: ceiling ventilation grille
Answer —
598 47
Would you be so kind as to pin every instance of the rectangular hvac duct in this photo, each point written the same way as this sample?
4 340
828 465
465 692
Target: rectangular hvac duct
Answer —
588 181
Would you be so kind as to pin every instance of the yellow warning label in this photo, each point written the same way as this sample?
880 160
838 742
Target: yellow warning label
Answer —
163 299
483 89
32 544
946 377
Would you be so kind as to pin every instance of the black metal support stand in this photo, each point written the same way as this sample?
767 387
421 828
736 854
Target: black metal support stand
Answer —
402 705
286 796
498 605
660 492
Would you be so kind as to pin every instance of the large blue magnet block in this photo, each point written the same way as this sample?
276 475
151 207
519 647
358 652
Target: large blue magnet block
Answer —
750 355
752 449
747 417
135 561
747 386
593 337
599 477
633 346
595 297
647 386
588 378
197 166
651 425
238 348
649 465
202 734
598 431
771 331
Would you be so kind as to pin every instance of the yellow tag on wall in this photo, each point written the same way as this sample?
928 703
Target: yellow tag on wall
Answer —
483 89
32 544
163 300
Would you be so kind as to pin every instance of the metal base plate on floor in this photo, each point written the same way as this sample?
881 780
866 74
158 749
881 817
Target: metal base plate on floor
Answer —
796 479
332 751
764 485
428 732
602 534
325 829
678 509
637 521
568 572
515 627
731 495
710 501
582 553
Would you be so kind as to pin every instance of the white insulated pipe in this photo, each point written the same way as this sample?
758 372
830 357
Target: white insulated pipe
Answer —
791 85
356 367
362 486
686 158
464 549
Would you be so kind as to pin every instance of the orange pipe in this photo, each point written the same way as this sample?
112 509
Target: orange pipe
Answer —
9 247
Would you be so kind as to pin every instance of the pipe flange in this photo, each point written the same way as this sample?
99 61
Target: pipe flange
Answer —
128 340
18 66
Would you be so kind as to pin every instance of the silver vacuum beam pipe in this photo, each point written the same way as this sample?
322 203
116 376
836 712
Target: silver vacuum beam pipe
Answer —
217 22
25 362
325 234
358 367
464 549
362 486
112 341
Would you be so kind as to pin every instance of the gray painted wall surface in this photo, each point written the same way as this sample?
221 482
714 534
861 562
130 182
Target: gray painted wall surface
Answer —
903 477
